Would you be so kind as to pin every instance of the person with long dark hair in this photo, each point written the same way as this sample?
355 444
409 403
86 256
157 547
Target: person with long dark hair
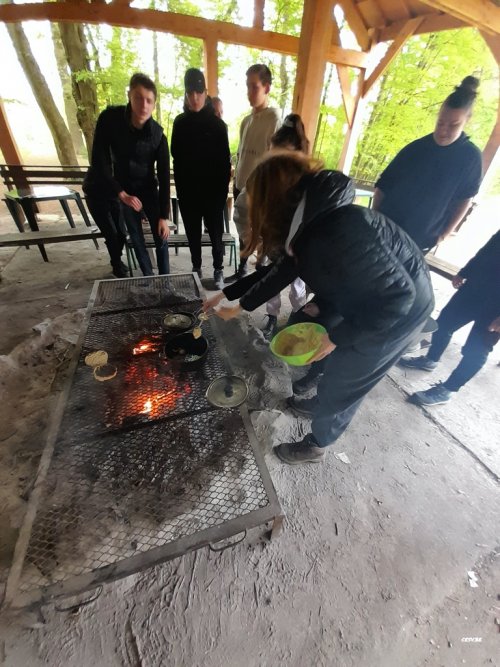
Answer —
202 169
371 285
428 187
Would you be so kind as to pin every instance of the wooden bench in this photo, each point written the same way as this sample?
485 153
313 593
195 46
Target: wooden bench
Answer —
39 238
441 266
176 241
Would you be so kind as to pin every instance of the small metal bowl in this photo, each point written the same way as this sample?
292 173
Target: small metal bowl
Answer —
187 352
178 322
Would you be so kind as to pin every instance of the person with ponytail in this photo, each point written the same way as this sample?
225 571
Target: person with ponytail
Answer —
428 187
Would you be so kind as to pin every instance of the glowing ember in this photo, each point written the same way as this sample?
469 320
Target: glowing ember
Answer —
148 406
142 348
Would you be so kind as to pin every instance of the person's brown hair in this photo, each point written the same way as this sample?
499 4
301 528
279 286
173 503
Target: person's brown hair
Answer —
464 95
262 71
139 79
291 133
274 190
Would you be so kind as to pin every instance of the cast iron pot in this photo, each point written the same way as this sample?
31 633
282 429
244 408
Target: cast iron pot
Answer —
188 322
181 346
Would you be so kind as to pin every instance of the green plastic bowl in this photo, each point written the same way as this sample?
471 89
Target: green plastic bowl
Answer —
300 330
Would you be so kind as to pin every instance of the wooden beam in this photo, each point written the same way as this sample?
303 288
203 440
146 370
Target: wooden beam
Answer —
354 130
315 41
430 23
344 79
258 14
491 149
393 50
211 65
356 23
350 57
483 14
8 146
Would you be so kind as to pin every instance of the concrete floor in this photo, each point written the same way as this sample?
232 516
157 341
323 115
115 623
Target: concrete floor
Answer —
371 569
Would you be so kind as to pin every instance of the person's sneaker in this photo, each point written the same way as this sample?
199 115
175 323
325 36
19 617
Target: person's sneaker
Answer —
436 395
241 272
307 383
271 327
418 363
219 279
124 267
198 271
305 451
305 407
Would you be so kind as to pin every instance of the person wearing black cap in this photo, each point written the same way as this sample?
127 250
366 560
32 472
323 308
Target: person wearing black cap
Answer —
121 183
202 169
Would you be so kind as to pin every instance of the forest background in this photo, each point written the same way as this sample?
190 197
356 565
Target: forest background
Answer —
56 78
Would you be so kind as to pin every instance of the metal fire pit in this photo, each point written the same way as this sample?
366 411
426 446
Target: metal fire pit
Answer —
139 469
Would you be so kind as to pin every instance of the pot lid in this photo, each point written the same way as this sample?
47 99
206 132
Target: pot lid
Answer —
227 391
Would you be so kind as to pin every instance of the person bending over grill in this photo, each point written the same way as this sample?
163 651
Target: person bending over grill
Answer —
121 178
368 275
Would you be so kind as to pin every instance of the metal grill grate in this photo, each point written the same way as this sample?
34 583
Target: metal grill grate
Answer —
143 468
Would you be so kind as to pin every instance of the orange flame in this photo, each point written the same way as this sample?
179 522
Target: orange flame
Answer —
141 348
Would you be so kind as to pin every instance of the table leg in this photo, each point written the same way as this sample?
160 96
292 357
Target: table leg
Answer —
67 211
13 210
86 219
31 218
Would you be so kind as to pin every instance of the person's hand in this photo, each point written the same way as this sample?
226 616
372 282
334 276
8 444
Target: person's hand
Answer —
209 304
457 281
311 309
163 228
325 349
495 325
229 313
130 200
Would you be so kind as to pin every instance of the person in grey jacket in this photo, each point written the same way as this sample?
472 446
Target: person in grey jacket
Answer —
371 285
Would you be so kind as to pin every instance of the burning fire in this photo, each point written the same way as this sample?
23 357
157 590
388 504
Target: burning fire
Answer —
148 406
145 346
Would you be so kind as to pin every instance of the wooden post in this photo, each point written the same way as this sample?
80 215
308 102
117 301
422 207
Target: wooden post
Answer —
354 129
211 65
315 40
8 144
491 149
258 14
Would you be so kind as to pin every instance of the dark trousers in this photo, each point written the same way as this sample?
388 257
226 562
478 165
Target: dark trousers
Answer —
107 216
467 305
212 212
133 220
349 373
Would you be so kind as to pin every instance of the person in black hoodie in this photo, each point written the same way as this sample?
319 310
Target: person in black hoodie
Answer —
371 285
202 169
121 178
478 301
428 187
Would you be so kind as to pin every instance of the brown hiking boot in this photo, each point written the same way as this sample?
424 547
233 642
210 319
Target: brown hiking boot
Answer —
305 451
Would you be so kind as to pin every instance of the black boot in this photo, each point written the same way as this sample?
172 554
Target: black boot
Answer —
241 272
271 327
120 270
309 381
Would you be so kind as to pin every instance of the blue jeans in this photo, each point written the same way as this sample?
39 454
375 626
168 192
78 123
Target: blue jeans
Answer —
133 220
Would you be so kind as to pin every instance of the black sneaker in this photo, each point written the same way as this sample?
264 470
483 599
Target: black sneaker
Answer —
305 451
271 327
219 279
241 272
305 407
418 363
124 267
198 271
307 383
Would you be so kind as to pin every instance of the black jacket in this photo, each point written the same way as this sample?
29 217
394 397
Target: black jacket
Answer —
124 158
200 150
358 263
484 267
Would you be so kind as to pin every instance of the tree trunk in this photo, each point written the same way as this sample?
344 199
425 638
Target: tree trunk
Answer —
83 85
69 102
60 133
